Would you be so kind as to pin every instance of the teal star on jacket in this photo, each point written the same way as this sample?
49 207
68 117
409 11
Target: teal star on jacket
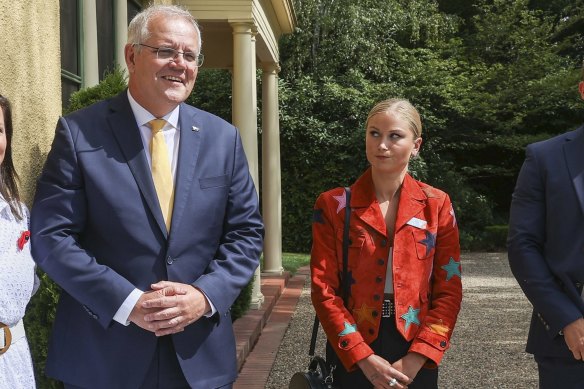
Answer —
452 269
429 241
349 329
411 316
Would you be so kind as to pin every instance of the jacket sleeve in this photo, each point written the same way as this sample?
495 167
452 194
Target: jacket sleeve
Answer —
58 217
527 235
325 265
445 294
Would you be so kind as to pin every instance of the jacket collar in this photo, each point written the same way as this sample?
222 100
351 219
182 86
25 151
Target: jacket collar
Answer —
365 206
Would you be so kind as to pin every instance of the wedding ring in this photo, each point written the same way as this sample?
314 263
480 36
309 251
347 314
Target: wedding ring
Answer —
392 382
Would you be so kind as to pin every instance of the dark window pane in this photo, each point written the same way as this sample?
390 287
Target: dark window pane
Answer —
105 36
67 89
70 36
133 8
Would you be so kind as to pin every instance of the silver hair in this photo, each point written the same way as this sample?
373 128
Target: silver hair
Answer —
138 29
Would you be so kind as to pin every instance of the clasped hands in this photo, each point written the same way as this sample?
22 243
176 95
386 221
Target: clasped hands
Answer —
169 307
381 373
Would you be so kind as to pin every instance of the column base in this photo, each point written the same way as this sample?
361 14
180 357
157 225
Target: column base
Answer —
257 301
277 271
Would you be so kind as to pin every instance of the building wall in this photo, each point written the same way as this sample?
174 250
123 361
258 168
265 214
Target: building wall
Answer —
30 77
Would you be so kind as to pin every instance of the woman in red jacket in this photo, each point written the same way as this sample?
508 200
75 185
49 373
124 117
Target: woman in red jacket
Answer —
404 269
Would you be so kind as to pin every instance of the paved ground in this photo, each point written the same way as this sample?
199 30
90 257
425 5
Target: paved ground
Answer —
487 345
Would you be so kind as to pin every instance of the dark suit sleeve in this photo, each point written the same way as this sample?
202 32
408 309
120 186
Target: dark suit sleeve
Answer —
58 218
526 245
239 249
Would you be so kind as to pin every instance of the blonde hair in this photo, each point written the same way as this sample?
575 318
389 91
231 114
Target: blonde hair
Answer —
402 108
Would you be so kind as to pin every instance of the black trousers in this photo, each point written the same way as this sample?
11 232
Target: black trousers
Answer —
565 373
391 346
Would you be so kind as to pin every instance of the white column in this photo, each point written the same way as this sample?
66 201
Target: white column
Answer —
121 29
271 177
90 58
244 112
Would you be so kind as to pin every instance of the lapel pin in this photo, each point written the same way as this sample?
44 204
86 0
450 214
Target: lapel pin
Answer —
195 129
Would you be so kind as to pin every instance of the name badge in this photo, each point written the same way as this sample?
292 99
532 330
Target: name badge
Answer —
418 223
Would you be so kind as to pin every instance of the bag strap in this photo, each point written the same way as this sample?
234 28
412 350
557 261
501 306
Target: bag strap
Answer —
345 279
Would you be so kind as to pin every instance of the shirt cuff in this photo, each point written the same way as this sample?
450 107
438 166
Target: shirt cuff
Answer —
213 309
125 309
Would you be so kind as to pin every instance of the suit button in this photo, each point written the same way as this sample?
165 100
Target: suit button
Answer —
344 343
169 260
380 262
443 344
371 331
376 297
374 313
379 279
383 242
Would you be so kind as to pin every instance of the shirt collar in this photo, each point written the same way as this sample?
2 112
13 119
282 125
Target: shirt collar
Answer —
143 116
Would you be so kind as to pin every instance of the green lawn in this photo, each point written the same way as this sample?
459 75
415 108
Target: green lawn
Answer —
292 261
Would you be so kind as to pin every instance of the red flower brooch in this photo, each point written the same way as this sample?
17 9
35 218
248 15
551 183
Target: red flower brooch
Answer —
24 238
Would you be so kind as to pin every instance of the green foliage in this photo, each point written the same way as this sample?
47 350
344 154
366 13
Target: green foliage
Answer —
112 84
496 237
241 305
38 321
212 92
488 77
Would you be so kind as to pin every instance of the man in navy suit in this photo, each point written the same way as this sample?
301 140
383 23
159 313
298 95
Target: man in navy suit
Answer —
546 254
148 270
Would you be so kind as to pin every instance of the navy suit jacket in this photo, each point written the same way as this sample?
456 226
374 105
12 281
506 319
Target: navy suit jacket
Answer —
546 238
98 232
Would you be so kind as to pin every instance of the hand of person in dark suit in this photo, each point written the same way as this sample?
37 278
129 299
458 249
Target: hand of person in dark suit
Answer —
175 306
574 337
137 316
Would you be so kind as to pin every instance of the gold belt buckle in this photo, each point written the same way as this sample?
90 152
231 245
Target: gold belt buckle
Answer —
7 338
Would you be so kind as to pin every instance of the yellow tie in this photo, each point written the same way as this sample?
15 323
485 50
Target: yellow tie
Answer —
161 171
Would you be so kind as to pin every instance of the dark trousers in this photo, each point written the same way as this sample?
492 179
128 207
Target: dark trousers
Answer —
164 371
565 373
391 346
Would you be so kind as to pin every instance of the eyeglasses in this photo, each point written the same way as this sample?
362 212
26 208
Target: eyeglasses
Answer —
170 54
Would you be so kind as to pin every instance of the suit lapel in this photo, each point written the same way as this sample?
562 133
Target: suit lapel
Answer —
365 205
575 162
123 126
192 131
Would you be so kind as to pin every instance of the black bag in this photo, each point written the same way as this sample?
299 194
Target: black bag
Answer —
320 372
318 376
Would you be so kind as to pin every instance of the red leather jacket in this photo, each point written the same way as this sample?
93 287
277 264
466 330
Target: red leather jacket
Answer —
426 269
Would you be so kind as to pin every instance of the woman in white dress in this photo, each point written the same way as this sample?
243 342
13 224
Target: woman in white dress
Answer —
18 281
